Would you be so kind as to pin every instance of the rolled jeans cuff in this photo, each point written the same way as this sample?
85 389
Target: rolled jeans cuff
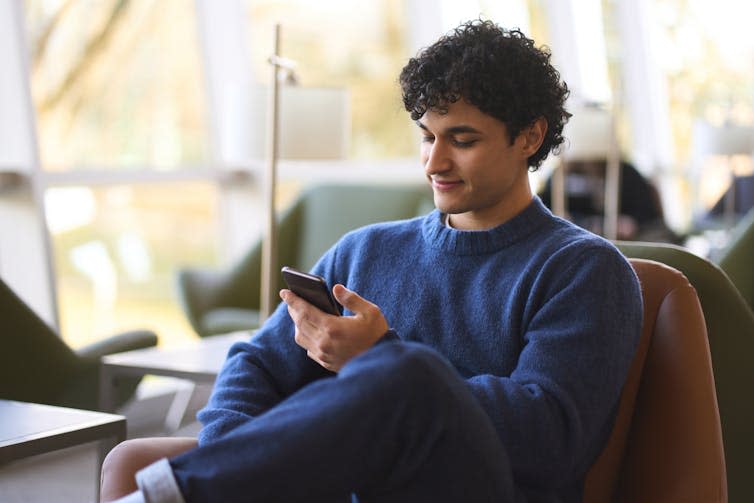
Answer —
157 483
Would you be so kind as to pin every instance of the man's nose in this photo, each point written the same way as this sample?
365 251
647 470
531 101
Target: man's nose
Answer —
436 158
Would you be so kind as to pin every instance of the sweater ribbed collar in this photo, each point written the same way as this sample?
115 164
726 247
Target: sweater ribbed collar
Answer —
459 242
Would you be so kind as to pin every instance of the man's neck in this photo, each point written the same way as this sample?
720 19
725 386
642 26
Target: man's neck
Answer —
478 222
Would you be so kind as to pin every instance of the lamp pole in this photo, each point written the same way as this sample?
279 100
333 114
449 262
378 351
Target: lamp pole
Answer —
269 243
612 183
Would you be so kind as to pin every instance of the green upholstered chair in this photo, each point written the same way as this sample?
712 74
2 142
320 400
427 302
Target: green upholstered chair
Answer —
37 366
737 258
221 301
730 328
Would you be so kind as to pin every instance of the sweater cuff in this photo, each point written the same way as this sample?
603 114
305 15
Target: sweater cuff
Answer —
390 335
157 483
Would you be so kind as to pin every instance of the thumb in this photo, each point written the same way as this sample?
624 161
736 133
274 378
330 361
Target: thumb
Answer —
350 300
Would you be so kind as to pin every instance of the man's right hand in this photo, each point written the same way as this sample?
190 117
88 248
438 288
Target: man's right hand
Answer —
332 340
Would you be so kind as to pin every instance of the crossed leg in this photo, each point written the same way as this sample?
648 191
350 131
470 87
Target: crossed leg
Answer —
397 424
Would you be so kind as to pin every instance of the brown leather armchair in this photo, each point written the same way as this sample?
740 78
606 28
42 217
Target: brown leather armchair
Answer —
666 445
730 332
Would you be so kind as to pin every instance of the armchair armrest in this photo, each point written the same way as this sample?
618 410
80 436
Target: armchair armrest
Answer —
126 341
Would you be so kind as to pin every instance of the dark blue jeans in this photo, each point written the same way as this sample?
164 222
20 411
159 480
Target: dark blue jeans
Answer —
396 424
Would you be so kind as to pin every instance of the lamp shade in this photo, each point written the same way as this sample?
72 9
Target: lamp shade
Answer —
588 135
313 122
728 139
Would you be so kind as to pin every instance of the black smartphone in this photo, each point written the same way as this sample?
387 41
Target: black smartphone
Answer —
311 288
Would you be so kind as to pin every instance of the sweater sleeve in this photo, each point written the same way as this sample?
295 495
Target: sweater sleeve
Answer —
582 325
260 373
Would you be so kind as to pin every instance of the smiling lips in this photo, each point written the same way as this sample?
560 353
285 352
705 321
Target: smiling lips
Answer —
445 185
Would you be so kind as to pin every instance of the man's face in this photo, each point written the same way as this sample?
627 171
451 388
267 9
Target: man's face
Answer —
477 175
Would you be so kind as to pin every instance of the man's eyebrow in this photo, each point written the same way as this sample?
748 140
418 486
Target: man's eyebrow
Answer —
461 128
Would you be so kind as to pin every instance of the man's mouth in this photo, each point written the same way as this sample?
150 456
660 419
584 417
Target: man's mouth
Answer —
445 185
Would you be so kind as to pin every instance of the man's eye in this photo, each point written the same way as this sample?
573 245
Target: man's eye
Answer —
463 144
427 139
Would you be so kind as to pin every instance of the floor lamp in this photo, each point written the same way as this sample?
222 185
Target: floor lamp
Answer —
302 123
269 242
591 135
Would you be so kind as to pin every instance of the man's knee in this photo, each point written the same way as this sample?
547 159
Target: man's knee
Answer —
420 362
125 459
119 468
405 366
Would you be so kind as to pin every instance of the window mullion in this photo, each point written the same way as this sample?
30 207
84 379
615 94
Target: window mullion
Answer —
229 80
25 253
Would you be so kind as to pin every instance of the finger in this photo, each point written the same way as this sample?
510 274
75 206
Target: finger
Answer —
300 310
291 298
352 300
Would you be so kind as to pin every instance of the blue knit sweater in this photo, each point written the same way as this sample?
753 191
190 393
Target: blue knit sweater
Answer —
539 316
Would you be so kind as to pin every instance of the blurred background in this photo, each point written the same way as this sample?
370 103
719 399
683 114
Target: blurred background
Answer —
132 132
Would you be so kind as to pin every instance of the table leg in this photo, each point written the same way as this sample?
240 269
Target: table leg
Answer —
106 389
178 407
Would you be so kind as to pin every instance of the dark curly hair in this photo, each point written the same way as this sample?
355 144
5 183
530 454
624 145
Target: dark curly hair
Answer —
499 71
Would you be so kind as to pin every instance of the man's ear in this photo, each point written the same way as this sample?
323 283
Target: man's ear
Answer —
531 137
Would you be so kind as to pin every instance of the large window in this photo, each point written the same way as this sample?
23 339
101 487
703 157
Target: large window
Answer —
357 44
119 96
116 249
706 58
116 83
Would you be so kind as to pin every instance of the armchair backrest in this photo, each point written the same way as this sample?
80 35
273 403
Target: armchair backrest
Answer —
666 444
730 330
737 259
330 211
324 213
35 364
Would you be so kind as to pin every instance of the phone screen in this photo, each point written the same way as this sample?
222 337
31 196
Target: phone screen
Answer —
311 288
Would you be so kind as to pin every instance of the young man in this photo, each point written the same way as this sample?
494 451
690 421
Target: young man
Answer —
512 330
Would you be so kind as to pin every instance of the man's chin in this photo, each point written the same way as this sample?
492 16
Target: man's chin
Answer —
445 206
449 209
